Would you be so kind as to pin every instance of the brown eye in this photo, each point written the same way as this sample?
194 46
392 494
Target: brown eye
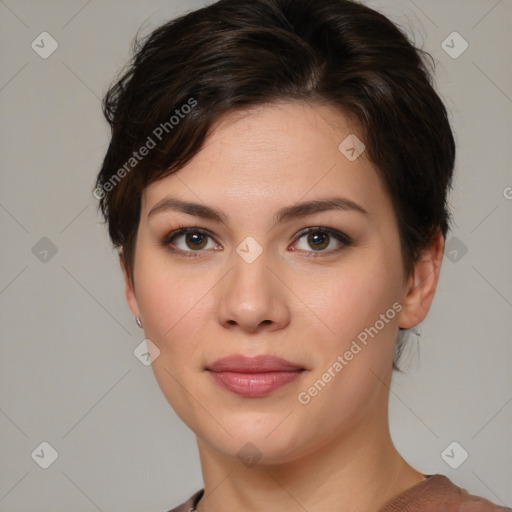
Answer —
188 241
319 239
195 241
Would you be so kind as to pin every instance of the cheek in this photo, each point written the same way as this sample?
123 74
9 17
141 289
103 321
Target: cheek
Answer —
354 298
356 304
173 305
171 302
351 364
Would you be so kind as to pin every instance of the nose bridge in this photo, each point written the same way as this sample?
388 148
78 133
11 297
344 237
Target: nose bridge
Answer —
252 295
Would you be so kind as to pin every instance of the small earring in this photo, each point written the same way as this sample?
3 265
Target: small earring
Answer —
138 321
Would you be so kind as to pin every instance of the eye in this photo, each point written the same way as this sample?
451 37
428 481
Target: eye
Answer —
321 238
194 240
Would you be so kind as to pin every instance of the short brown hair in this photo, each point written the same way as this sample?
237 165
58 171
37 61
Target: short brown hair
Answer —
235 54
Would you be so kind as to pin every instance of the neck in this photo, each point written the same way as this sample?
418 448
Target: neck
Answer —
360 470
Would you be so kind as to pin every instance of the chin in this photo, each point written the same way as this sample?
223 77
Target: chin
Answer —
258 444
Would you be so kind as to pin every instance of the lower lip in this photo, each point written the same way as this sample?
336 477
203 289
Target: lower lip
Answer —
254 384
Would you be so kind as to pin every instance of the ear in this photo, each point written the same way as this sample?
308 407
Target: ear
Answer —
421 286
131 298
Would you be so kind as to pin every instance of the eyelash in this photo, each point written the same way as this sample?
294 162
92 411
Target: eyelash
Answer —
338 235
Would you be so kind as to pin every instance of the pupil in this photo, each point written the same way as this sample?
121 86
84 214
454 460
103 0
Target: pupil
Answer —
195 239
314 239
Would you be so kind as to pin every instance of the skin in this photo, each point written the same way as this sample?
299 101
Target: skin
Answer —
335 452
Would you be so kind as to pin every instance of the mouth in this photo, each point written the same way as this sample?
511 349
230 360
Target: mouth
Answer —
254 376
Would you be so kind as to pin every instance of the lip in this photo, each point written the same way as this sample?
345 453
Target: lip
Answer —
254 376
254 364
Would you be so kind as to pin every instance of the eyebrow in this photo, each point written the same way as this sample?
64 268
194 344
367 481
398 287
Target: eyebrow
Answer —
287 213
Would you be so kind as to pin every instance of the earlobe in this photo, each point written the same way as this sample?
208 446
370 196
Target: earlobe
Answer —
422 285
131 298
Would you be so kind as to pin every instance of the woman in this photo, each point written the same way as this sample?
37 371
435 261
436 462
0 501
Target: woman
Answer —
276 185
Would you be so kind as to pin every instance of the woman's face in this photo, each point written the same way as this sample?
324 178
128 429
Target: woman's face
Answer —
256 283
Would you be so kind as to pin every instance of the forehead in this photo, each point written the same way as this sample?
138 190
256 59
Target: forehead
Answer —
270 155
291 131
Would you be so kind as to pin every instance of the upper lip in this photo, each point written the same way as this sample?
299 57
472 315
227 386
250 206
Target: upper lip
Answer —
254 364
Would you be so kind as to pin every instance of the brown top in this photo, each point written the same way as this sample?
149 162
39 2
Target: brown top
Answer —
436 493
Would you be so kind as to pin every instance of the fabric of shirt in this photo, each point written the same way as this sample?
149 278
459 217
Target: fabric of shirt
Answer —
437 493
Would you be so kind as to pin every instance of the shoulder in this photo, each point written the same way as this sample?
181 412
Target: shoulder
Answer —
190 504
439 493
472 503
435 493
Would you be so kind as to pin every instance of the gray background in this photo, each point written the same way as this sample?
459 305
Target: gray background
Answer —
68 372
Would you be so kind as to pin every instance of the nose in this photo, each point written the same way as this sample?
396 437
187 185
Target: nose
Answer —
254 296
